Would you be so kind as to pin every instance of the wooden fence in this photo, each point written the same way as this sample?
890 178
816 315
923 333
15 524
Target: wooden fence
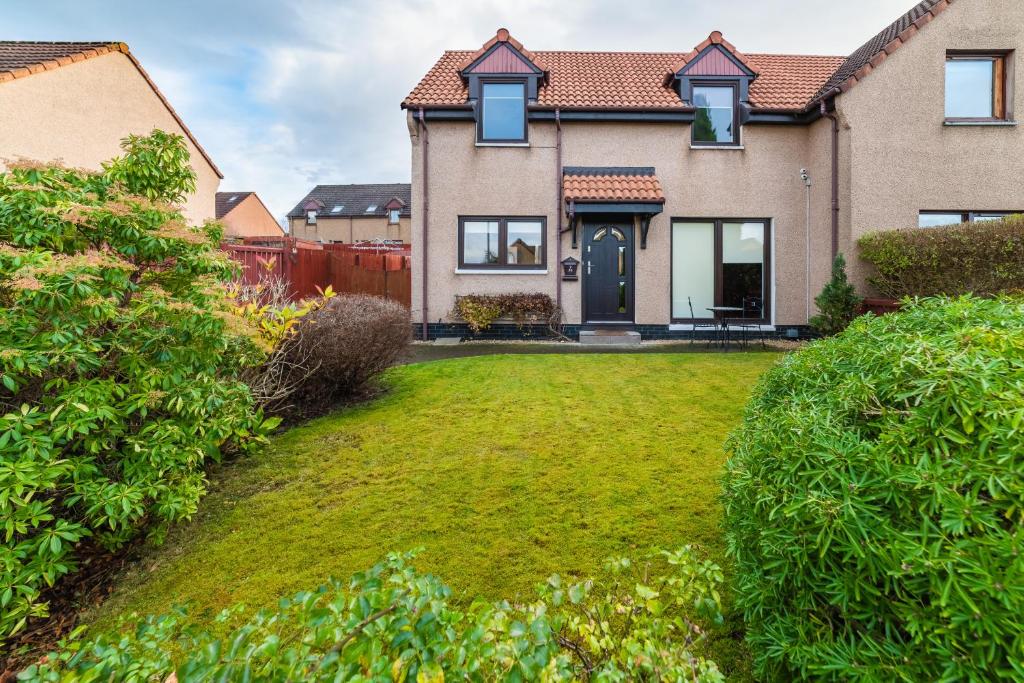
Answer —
383 270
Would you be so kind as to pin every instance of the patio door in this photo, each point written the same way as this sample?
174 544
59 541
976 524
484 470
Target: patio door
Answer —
608 272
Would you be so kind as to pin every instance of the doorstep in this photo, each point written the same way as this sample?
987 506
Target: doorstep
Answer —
609 337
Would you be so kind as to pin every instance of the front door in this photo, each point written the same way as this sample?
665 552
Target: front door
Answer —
607 272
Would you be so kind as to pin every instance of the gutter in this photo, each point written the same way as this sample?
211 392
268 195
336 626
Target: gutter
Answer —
835 167
426 216
558 211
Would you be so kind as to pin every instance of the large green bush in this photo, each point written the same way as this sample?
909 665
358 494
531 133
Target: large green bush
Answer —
119 354
646 622
983 258
874 500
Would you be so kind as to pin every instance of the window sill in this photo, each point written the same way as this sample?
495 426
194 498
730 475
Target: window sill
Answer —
499 271
503 144
997 124
693 146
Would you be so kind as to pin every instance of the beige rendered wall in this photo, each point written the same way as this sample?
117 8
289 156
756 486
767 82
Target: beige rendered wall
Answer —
78 113
350 229
250 218
898 156
760 181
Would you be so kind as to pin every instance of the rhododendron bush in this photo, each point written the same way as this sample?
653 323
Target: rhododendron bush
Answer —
120 351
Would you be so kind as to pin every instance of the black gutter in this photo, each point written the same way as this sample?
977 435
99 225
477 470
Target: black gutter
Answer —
625 115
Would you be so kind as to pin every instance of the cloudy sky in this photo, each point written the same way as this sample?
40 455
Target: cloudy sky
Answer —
285 94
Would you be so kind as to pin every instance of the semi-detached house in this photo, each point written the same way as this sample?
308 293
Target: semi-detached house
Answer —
706 178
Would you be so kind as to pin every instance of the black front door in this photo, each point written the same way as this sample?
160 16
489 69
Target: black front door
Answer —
607 272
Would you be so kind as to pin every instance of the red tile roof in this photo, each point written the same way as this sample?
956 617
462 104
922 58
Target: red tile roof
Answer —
583 184
631 80
21 58
642 80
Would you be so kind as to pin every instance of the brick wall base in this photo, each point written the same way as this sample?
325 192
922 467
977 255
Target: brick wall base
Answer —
511 332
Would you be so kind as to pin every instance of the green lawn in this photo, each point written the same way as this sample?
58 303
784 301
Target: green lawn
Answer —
504 468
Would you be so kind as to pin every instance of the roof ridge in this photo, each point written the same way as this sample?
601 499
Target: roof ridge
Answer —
877 49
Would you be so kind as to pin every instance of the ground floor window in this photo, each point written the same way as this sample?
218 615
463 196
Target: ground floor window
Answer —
720 263
493 242
934 219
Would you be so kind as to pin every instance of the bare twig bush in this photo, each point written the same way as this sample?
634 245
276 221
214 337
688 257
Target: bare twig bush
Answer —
339 350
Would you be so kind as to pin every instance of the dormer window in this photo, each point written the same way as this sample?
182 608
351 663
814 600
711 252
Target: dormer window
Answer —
502 116
311 217
715 122
501 78
393 215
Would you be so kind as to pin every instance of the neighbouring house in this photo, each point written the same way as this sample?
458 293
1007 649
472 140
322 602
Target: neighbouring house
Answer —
75 101
346 214
244 214
707 178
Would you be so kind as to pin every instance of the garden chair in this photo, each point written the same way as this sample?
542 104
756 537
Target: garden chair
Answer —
750 320
702 324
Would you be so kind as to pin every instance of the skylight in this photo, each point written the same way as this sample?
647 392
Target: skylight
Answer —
337 208
233 198
371 208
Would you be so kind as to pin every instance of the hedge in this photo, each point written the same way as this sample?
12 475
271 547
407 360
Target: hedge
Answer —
647 621
874 500
983 258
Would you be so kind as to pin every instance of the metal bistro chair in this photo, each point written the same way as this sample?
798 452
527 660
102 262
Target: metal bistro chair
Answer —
750 322
701 324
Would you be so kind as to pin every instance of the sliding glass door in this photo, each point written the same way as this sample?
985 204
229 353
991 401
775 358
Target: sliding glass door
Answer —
720 263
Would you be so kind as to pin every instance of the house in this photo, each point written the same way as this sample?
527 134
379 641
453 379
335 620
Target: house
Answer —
704 178
244 214
345 214
75 101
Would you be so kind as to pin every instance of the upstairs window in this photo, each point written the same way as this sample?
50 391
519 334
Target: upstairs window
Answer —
975 87
502 112
393 215
311 217
715 122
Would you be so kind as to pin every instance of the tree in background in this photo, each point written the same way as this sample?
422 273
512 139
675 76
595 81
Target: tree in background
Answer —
838 302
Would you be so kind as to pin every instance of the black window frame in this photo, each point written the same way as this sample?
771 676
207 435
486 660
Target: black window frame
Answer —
502 263
484 82
737 131
311 216
965 216
1000 82
766 302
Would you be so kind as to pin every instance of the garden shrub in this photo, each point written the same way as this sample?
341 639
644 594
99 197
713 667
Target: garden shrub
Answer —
119 355
647 622
874 500
838 302
480 311
340 348
983 258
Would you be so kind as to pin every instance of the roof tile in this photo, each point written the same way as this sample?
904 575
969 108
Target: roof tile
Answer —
641 80
633 80
355 200
611 185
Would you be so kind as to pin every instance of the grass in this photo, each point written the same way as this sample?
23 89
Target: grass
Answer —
505 469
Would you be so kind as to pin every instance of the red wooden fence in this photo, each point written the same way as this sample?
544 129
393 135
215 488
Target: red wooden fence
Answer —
383 270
